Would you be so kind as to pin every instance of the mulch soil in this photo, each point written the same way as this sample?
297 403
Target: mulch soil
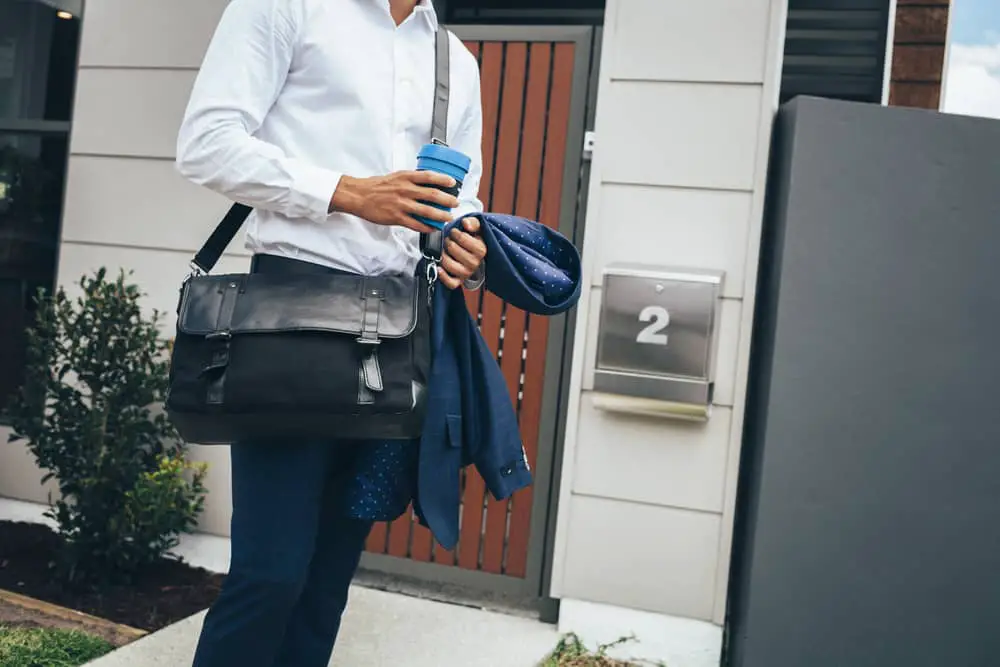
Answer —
166 593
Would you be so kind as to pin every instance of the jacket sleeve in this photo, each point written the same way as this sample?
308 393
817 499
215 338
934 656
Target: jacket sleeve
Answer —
242 74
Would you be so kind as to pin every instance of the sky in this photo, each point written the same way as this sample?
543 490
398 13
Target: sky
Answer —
972 83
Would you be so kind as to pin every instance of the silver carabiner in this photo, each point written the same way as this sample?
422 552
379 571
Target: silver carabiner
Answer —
432 278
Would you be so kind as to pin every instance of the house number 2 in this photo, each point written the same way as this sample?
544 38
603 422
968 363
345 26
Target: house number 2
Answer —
657 319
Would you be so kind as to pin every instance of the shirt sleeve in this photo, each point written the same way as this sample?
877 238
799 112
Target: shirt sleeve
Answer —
469 140
241 76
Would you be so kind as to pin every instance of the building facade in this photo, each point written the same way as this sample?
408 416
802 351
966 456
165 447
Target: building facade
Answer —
666 132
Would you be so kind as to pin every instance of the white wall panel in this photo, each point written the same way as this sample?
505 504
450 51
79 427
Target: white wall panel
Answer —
675 227
681 134
729 332
219 501
139 203
707 40
148 33
642 556
673 464
130 111
685 106
20 478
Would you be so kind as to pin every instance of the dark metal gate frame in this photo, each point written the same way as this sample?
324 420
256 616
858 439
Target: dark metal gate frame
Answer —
531 591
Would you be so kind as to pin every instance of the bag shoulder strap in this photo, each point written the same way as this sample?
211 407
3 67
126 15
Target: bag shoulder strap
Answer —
442 87
208 256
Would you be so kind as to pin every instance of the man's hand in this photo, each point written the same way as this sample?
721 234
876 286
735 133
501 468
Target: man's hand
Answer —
464 252
396 198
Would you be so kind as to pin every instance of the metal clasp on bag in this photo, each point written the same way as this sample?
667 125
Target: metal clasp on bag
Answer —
196 271
432 278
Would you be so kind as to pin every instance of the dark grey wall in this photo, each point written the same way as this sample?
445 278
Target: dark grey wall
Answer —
869 526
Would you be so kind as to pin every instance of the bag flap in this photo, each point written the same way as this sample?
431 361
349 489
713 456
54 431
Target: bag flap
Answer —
272 303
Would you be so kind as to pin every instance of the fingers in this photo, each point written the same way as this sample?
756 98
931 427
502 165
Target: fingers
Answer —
458 262
455 268
429 212
431 178
469 243
471 224
434 196
463 257
450 281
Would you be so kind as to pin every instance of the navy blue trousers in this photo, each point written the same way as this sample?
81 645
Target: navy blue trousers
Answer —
294 553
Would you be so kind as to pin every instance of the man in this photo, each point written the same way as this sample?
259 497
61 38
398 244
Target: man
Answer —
313 112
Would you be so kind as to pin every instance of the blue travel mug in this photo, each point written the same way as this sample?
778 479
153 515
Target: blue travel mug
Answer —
444 160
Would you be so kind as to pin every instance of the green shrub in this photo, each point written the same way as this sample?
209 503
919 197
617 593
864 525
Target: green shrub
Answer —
90 411
37 647
572 652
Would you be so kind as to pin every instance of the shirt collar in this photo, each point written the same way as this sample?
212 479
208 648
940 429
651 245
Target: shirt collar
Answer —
425 7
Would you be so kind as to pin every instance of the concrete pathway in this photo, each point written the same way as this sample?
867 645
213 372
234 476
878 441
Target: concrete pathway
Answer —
384 630
380 629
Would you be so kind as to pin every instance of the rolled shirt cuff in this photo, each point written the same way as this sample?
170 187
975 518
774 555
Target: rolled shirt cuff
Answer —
314 189
476 280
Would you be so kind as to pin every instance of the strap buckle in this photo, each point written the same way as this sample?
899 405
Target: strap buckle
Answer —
196 271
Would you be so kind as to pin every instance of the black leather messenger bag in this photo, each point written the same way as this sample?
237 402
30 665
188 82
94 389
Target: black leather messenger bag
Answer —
304 354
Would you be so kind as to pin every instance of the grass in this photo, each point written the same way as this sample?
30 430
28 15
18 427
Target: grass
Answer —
44 647
572 652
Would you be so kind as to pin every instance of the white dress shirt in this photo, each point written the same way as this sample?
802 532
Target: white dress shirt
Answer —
293 94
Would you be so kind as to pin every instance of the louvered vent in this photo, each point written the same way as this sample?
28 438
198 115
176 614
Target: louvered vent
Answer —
835 48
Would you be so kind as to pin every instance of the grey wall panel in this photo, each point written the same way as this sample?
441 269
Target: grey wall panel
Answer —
690 135
130 112
735 52
624 551
148 33
870 531
140 203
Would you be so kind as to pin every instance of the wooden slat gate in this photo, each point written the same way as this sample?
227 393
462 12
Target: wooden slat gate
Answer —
535 84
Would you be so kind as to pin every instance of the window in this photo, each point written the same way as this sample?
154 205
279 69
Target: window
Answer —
39 42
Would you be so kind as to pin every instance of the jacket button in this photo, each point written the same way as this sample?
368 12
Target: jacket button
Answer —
507 472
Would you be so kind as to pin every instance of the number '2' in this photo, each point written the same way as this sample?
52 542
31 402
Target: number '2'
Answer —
658 319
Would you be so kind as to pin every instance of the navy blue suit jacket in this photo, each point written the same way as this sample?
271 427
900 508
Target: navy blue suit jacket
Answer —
470 417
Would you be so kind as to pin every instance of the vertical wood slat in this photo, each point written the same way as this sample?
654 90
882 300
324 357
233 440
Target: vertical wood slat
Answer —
472 298
421 540
491 71
505 181
547 209
377 538
399 536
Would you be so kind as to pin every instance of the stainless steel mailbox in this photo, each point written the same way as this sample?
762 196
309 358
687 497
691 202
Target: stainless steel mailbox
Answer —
657 341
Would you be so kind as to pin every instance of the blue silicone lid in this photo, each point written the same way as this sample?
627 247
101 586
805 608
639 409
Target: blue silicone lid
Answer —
445 154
